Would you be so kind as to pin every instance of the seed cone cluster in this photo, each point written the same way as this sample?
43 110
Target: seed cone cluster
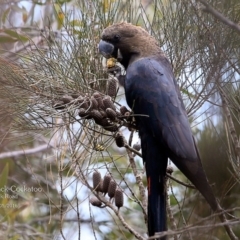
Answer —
98 106
106 186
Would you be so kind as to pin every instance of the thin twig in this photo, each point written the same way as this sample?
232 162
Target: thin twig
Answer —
168 175
23 152
230 124
220 16
61 200
192 228
110 205
169 210
180 182
138 177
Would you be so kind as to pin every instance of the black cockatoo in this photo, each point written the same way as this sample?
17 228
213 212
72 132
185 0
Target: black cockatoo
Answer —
153 95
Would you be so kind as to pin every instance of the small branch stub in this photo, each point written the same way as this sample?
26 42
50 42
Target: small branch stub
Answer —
169 170
123 110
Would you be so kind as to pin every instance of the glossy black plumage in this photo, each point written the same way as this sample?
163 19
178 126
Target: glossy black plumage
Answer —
165 133
152 93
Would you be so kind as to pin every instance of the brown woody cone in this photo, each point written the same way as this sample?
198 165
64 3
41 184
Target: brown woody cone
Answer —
112 188
108 103
96 115
75 95
80 99
106 180
120 141
101 186
127 114
94 103
59 105
112 87
111 113
102 122
123 110
118 198
97 181
137 146
111 128
95 202
66 99
118 114
104 114
84 105
82 112
99 99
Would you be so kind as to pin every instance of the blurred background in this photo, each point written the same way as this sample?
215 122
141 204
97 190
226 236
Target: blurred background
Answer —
49 152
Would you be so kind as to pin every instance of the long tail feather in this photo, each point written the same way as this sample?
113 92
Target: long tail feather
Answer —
156 163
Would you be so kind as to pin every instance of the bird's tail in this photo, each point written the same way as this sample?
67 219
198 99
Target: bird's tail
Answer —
194 171
155 163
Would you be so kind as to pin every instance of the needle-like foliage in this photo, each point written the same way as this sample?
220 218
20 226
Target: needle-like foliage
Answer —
62 115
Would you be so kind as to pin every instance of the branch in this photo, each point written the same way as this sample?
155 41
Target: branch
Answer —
180 182
192 228
23 152
168 175
220 16
138 179
230 124
169 210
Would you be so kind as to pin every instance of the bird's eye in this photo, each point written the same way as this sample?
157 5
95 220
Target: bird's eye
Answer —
116 37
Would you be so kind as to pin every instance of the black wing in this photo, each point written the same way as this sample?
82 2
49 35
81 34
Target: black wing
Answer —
151 91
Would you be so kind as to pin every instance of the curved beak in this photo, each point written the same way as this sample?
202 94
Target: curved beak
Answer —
106 49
